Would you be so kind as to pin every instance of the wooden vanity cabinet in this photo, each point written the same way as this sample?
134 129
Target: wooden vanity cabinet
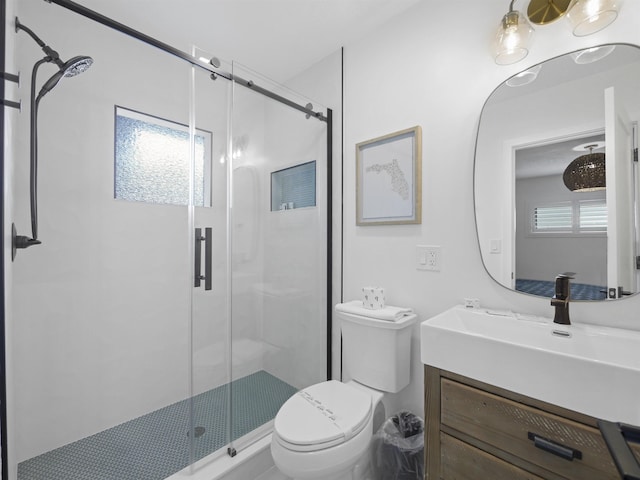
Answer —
477 431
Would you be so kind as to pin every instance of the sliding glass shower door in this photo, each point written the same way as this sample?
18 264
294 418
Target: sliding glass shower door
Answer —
179 295
278 216
210 327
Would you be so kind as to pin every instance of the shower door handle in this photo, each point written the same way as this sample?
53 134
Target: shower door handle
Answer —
208 254
198 258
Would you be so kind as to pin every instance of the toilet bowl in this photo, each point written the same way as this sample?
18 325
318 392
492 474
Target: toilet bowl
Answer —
324 431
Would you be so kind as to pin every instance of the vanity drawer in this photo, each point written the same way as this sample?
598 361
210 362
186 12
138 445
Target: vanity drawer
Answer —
513 427
461 461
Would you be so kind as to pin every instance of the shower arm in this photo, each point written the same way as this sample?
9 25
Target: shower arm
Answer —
50 52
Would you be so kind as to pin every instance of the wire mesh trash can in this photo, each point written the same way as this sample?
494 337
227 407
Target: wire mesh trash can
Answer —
397 448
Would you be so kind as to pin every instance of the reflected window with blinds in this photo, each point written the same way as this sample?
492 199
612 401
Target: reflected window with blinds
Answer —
592 216
576 218
294 187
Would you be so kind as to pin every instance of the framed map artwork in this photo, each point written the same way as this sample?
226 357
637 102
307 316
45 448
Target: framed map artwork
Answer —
389 179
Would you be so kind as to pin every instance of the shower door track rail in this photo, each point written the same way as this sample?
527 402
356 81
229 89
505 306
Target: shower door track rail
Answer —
109 22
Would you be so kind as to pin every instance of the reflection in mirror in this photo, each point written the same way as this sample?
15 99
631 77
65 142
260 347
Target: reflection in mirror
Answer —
555 179
555 226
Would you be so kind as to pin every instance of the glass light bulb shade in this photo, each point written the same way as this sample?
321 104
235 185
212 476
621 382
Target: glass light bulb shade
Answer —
591 16
512 39
590 55
524 78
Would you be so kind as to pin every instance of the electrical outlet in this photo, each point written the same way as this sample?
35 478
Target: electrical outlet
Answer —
429 257
472 302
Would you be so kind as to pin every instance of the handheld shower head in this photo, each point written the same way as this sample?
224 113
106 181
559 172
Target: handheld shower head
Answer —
70 68
77 65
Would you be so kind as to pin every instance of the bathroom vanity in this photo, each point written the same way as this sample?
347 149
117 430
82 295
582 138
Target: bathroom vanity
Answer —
515 397
474 430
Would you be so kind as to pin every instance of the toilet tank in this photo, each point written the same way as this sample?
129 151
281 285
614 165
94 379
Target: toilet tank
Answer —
377 353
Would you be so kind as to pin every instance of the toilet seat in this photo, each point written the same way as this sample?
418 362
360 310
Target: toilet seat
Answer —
321 416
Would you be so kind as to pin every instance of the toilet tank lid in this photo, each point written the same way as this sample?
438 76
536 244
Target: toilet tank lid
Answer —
325 413
345 313
394 317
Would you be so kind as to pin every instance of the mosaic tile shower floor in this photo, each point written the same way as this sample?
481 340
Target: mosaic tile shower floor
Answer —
156 445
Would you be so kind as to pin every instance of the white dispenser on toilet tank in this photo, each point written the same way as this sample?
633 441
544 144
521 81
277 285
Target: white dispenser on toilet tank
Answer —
324 432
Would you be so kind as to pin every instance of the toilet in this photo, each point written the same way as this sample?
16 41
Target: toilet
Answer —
324 431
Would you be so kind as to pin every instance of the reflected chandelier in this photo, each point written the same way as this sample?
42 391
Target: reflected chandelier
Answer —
587 173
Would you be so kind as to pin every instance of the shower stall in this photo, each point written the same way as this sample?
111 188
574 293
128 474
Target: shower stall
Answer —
180 291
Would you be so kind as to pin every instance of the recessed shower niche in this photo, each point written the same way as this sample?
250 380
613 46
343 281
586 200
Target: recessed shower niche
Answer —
294 187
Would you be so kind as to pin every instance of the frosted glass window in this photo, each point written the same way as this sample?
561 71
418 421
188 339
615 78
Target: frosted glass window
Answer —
294 187
152 160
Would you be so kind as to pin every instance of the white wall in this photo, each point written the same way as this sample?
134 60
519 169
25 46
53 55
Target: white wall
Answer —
432 67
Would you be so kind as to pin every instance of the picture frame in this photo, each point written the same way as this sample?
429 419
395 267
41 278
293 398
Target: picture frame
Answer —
389 179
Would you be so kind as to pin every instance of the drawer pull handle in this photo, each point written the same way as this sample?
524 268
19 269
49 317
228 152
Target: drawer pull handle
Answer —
550 446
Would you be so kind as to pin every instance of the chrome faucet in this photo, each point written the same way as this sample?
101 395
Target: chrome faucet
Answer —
561 298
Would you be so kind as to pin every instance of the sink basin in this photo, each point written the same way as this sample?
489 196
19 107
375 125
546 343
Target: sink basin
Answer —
590 369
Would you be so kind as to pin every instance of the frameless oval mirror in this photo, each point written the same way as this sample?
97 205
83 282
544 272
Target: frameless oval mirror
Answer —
555 179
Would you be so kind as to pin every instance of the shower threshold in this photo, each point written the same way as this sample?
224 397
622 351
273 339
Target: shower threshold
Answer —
156 445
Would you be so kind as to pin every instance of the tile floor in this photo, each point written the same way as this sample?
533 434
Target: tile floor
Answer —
156 445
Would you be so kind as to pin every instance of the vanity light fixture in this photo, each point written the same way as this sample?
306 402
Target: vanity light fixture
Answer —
586 173
513 37
591 16
542 12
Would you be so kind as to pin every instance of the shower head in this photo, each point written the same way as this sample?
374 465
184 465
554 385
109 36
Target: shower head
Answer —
77 65
70 68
